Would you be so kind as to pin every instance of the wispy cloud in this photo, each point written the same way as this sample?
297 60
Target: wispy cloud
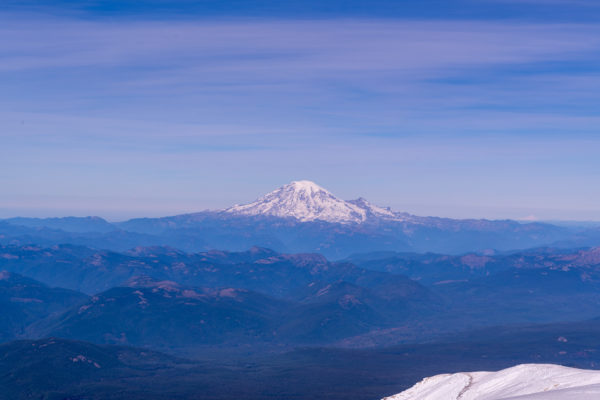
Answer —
291 46
322 68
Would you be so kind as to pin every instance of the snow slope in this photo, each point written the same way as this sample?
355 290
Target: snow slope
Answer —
307 201
522 382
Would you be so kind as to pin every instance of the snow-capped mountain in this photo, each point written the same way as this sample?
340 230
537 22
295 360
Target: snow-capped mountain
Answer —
523 382
301 217
373 211
307 201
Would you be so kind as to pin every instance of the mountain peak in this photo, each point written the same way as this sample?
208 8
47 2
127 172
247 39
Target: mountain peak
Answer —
305 185
372 210
305 201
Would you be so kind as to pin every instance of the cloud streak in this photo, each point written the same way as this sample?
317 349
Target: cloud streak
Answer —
319 46
294 65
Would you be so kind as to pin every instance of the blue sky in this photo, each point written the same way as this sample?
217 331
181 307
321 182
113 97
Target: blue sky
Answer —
484 108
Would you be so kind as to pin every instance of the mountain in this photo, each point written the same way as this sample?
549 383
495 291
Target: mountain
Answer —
67 224
529 286
527 294
304 201
433 268
340 301
253 296
279 275
167 315
24 301
334 311
323 301
307 201
163 314
540 285
304 217
372 211
523 382
72 230
440 269
300 217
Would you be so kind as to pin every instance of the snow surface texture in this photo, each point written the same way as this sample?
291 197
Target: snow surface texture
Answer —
522 382
307 201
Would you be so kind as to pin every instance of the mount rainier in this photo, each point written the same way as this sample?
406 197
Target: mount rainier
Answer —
300 217
307 201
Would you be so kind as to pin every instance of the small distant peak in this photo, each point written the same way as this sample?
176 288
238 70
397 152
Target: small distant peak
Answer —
360 201
372 209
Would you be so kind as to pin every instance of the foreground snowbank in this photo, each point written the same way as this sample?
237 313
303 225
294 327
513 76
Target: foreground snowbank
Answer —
522 382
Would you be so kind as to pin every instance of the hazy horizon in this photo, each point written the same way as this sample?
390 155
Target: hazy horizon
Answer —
456 211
